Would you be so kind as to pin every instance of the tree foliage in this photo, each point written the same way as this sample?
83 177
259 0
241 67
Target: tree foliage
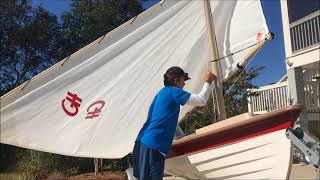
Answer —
235 88
90 19
37 165
29 42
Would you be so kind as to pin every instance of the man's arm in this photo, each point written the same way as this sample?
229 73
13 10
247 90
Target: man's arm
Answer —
202 98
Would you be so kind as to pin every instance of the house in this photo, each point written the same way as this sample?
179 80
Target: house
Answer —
301 85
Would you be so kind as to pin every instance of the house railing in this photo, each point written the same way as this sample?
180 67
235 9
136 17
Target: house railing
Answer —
311 79
268 98
312 96
276 96
305 32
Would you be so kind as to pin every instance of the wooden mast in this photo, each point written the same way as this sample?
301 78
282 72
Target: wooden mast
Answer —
213 54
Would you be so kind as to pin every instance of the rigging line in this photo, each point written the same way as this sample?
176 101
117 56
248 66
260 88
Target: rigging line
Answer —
26 84
185 125
102 38
134 19
213 94
65 60
162 2
213 106
244 68
236 52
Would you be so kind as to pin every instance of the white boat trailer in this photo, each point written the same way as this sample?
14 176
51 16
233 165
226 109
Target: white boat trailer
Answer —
307 145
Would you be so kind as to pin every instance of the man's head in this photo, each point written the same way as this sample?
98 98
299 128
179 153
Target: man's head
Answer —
175 76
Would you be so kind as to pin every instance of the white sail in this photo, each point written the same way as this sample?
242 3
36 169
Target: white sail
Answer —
94 103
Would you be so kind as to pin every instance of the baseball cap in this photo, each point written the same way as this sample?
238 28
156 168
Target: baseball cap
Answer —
177 71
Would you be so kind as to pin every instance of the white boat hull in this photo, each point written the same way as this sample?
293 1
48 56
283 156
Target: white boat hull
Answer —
263 157
241 147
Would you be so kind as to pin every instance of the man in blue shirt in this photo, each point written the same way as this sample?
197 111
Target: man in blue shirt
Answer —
156 135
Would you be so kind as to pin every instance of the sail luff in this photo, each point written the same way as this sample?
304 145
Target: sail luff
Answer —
213 52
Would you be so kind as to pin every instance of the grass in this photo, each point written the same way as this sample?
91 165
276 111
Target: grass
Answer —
12 176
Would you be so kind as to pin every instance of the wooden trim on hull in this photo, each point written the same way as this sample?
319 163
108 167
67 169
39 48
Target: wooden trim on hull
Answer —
255 126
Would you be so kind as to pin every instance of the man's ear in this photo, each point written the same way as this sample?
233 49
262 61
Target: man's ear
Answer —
176 80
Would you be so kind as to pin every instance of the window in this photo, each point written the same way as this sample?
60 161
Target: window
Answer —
298 9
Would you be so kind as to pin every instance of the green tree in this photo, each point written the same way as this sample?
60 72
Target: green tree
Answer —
235 97
38 165
28 44
90 19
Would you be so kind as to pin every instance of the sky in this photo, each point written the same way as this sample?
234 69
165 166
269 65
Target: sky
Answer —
272 55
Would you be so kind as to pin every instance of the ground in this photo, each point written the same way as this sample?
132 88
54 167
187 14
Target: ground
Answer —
106 175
